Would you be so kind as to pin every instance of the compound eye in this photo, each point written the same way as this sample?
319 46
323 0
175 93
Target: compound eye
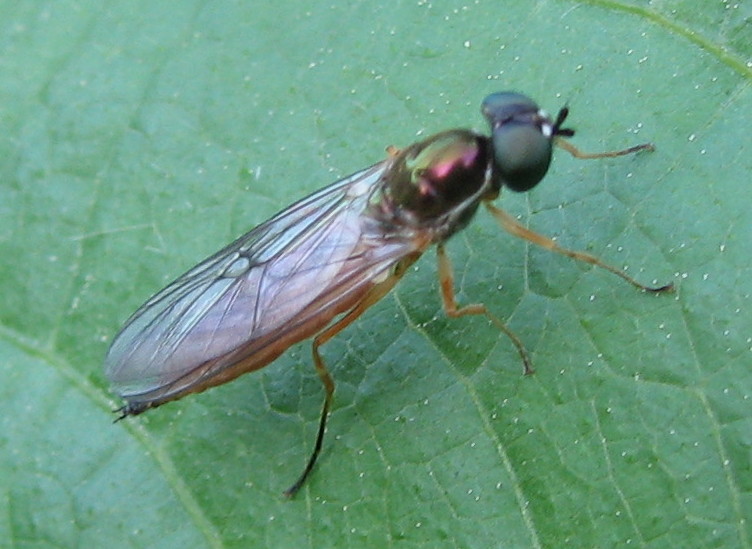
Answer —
502 106
522 154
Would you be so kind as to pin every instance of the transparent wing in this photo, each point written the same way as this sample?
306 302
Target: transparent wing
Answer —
242 307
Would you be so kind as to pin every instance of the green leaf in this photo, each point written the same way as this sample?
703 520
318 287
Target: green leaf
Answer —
139 137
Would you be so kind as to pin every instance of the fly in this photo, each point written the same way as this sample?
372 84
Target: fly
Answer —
316 266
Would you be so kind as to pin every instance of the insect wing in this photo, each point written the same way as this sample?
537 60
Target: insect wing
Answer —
242 307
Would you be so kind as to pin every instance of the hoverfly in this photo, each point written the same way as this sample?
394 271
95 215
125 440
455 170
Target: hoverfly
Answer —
316 266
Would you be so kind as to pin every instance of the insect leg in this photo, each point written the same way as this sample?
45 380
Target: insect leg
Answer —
372 296
577 153
446 280
328 382
512 226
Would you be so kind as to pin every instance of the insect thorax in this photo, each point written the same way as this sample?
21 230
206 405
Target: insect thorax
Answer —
436 184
